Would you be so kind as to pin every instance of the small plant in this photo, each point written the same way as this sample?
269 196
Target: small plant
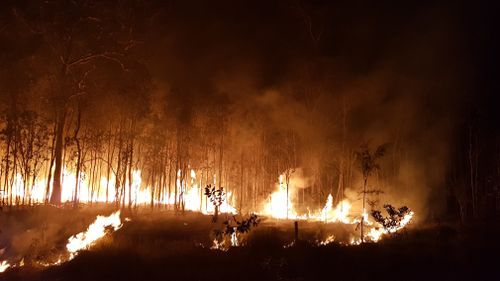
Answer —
216 197
394 221
242 226
232 228
368 163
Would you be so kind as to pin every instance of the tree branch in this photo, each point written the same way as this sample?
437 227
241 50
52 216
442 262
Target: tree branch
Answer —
113 56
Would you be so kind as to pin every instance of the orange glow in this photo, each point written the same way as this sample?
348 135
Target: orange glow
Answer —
277 207
94 232
192 193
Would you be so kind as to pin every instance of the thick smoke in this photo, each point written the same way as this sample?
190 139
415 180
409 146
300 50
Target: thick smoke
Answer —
396 84
303 85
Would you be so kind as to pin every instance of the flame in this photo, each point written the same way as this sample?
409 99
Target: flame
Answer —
339 214
330 239
234 238
220 246
135 192
81 241
375 234
4 265
94 232
47 264
280 206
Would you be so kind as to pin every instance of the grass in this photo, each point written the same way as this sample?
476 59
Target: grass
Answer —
165 246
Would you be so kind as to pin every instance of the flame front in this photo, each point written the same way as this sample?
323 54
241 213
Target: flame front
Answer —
190 192
94 232
81 241
280 206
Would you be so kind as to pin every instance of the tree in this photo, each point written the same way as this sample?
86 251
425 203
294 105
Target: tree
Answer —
392 222
76 37
368 163
32 139
217 196
233 227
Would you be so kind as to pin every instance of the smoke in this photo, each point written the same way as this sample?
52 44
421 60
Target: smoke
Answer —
41 236
299 179
304 85
396 84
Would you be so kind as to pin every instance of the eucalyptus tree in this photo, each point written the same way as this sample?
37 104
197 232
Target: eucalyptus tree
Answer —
74 39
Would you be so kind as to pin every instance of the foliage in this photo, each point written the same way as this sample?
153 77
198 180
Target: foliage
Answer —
395 216
232 227
242 226
368 160
215 195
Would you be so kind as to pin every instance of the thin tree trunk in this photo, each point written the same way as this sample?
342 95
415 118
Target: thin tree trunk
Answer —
55 197
131 149
79 156
363 210
7 166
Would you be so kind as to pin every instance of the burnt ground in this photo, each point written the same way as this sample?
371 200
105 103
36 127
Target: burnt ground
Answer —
165 246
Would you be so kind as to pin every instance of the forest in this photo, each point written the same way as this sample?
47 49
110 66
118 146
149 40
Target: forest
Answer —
139 105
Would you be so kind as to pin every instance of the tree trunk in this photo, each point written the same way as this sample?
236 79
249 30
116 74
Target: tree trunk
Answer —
6 172
55 197
241 183
110 155
363 210
169 179
130 162
78 158
118 171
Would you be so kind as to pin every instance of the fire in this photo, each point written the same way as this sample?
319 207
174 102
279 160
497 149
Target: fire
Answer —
226 243
81 241
189 191
376 233
234 238
330 239
4 265
339 214
280 206
94 232
220 246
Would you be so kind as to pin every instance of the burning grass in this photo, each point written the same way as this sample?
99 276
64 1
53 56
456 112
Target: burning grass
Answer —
163 245
48 236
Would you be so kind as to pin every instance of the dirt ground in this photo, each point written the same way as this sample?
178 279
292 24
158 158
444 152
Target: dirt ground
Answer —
162 245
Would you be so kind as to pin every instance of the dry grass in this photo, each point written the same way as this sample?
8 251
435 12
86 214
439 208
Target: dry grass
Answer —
165 246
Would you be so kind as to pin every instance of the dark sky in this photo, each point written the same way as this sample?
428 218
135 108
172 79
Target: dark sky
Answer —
447 43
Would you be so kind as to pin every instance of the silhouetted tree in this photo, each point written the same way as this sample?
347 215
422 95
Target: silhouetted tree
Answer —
368 163
393 221
217 196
